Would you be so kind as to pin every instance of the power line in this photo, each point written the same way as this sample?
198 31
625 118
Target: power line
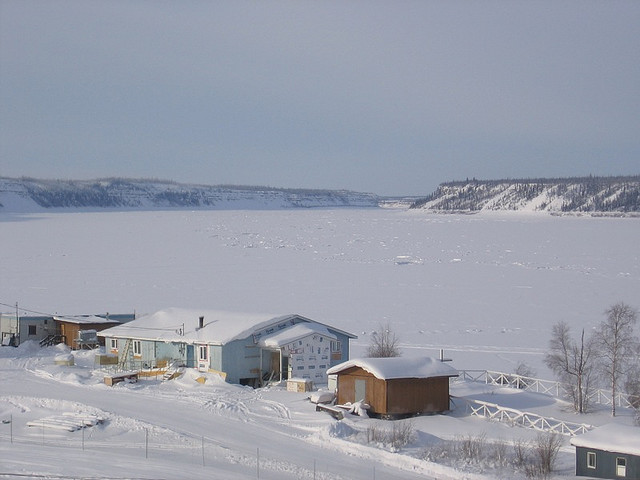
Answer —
46 314
72 318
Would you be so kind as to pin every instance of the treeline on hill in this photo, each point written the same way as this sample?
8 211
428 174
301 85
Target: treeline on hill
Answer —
123 192
577 194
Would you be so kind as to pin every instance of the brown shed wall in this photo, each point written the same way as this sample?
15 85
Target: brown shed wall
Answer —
70 330
418 395
398 396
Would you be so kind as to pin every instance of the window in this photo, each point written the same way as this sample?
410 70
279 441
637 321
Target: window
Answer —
32 330
203 352
336 346
591 460
621 467
137 348
114 344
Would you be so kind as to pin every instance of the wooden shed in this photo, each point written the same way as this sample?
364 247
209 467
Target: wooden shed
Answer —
611 451
79 331
395 387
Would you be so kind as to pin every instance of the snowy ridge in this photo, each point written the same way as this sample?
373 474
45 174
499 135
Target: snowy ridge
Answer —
31 195
604 195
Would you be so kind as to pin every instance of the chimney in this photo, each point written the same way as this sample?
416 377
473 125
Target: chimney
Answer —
201 322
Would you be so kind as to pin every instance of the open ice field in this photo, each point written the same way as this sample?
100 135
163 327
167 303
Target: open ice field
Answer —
486 288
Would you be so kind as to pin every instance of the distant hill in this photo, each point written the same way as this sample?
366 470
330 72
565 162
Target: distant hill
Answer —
593 195
27 194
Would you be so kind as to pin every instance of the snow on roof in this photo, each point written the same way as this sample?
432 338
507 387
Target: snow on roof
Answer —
291 334
399 367
611 438
84 319
181 325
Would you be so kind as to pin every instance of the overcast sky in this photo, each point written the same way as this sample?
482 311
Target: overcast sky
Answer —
389 97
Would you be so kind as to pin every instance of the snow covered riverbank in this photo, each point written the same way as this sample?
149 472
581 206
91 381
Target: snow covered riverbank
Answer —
486 288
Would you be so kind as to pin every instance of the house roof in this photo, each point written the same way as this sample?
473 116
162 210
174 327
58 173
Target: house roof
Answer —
398 367
291 334
611 438
181 325
85 319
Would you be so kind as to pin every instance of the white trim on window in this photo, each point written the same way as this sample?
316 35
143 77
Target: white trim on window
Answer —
591 460
621 467
137 348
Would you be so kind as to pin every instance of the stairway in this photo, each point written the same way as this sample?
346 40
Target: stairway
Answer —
53 340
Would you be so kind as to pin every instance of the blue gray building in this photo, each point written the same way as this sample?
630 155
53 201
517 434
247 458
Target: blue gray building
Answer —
611 451
246 348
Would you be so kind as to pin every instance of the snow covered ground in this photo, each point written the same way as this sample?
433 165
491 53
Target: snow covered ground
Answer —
487 288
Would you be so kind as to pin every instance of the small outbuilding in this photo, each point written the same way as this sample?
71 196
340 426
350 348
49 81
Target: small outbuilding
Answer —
80 331
395 387
611 451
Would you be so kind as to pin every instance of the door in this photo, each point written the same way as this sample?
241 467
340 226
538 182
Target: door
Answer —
361 390
191 356
203 357
621 467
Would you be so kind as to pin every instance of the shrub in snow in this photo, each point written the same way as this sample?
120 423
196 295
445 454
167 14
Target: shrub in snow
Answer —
375 434
520 452
498 454
536 459
471 447
400 435
544 451
524 370
384 343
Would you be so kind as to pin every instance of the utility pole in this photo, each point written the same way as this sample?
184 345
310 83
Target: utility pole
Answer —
17 326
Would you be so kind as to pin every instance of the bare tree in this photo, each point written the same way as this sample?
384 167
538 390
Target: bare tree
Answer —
572 362
616 344
384 343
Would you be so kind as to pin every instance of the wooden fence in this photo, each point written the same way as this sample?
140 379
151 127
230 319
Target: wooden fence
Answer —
548 387
512 416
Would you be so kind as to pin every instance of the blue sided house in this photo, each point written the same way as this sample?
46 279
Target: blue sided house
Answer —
246 348
610 451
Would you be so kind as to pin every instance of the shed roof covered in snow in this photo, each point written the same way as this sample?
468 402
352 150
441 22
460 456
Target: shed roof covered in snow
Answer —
85 319
182 325
398 367
611 438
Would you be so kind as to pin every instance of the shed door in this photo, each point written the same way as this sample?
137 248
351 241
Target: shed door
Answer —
361 390
621 467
